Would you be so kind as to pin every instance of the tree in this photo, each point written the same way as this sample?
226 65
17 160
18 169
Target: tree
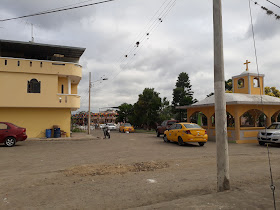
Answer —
228 86
165 110
272 91
147 108
125 112
182 95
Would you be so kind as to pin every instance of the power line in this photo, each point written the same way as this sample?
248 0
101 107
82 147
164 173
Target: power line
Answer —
272 187
273 3
58 10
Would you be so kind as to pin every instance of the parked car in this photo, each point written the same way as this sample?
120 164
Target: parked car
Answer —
270 135
126 127
111 126
101 126
164 126
10 134
186 132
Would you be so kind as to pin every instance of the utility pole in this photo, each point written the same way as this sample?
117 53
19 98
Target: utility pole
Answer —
89 115
220 103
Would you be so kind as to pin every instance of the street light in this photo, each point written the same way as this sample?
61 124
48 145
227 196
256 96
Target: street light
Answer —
90 85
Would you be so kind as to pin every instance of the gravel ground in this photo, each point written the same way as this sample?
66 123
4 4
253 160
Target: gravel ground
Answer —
134 170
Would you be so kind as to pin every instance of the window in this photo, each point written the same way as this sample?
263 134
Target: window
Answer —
173 127
41 64
240 83
3 126
18 63
6 62
34 86
30 63
256 82
62 89
178 126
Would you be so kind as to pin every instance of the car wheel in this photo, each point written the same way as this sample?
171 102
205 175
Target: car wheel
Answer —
165 139
180 141
10 141
158 134
201 143
261 143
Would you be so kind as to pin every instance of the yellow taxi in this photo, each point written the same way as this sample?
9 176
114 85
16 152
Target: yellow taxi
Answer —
126 127
186 132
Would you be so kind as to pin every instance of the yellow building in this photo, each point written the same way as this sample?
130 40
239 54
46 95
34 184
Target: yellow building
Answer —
248 109
39 85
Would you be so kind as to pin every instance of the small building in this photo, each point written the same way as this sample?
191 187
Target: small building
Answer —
39 85
248 109
81 118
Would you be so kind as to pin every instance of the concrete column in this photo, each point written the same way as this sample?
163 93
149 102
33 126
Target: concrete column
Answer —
69 85
220 102
268 120
236 124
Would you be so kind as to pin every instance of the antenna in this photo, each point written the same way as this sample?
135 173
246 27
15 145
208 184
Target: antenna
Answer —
32 38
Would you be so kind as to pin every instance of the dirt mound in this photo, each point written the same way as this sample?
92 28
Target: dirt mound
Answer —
96 170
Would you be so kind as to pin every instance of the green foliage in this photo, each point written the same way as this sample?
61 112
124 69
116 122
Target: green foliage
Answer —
126 112
228 85
182 95
147 108
165 110
272 91
77 130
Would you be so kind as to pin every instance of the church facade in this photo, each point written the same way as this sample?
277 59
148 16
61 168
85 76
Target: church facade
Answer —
249 110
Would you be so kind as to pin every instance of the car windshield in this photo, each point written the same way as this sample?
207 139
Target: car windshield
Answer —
127 125
274 126
110 124
191 126
171 123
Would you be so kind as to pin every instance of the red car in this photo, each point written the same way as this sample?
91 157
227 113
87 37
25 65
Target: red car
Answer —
10 134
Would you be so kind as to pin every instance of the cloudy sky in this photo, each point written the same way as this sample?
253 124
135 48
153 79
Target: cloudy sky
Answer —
182 42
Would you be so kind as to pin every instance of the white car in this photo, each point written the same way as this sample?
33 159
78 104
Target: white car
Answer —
270 135
101 126
111 126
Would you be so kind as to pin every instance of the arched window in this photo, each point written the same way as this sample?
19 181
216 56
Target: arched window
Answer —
230 120
62 89
256 82
33 86
253 118
240 83
199 118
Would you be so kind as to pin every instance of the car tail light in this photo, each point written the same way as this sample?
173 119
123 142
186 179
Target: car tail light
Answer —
205 131
187 132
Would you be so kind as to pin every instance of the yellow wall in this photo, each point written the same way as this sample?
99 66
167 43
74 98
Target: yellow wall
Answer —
245 89
74 88
47 67
37 120
63 81
237 111
13 92
256 90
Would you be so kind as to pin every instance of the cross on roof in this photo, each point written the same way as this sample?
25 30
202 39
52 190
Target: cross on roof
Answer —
247 62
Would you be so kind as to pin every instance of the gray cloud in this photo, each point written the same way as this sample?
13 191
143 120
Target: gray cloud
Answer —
183 42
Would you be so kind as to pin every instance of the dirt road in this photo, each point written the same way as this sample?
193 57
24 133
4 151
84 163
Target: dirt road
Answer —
133 171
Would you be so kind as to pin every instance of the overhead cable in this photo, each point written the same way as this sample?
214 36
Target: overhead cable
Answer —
58 10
